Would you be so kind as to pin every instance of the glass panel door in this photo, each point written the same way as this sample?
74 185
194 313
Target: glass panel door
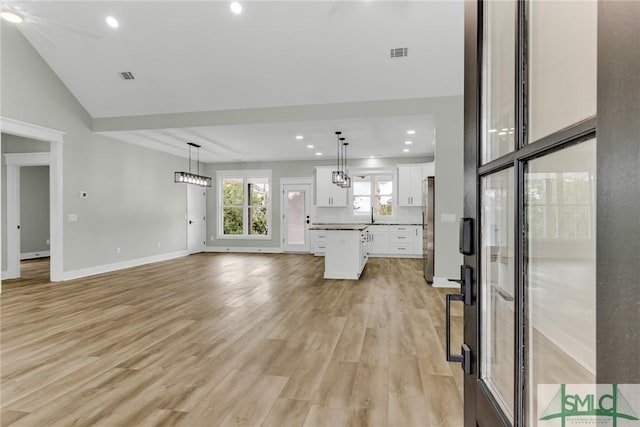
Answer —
562 64
296 217
497 287
560 209
498 89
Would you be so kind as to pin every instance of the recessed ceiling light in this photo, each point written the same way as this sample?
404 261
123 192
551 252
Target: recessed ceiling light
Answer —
502 133
411 132
299 137
309 146
405 150
493 130
408 142
318 154
111 21
236 8
10 16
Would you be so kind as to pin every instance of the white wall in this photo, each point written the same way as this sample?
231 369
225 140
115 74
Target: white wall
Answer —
133 202
449 191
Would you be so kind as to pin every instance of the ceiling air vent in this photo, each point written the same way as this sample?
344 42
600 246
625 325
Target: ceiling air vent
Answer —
399 52
126 75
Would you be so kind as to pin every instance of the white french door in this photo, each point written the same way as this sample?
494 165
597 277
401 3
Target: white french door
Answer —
296 217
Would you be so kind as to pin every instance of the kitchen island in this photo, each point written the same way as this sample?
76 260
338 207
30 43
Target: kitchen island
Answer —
347 250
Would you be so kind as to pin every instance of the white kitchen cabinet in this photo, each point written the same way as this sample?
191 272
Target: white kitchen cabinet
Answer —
410 185
347 253
318 242
418 244
428 169
379 237
396 241
328 194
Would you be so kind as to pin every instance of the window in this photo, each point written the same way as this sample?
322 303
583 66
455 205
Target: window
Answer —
245 204
373 192
560 205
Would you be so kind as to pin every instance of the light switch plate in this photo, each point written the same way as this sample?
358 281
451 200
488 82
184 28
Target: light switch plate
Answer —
72 218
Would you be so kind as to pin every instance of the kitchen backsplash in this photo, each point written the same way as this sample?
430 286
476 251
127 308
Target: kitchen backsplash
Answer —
403 215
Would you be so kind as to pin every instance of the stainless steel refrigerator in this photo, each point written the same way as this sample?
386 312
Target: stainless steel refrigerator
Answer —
428 216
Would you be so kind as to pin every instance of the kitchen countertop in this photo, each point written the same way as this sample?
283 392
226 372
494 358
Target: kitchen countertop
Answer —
322 224
340 227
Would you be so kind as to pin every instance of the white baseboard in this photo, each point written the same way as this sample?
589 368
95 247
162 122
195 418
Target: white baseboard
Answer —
441 282
240 249
33 255
394 256
84 272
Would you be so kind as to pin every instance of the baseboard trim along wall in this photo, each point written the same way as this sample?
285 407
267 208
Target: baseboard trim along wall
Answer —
91 271
251 250
394 256
441 282
4 275
33 255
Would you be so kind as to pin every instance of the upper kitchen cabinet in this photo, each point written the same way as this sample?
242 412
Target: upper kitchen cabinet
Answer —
410 185
328 194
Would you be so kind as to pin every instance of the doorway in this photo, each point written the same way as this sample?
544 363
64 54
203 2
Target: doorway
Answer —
296 217
196 218
15 162
55 139
34 213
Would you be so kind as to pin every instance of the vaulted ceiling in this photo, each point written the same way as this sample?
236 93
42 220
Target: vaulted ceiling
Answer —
190 57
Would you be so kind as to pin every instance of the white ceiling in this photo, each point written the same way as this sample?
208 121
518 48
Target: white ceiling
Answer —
379 137
191 56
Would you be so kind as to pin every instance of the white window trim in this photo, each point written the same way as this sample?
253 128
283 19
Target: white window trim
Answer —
244 174
370 172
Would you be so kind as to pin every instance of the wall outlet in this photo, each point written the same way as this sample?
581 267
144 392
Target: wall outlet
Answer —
212 238
72 218
48 242
158 245
118 250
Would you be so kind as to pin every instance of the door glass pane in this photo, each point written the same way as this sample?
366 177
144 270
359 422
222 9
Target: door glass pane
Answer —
562 64
560 209
498 86
497 305
295 215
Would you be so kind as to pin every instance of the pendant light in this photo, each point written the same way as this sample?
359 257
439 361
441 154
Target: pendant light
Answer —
340 176
337 175
193 178
346 179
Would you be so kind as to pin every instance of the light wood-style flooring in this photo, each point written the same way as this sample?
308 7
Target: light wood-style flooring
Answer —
229 339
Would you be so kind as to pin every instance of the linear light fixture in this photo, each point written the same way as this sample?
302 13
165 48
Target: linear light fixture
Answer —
193 178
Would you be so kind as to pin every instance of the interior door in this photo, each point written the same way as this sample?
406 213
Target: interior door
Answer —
196 218
296 217
530 190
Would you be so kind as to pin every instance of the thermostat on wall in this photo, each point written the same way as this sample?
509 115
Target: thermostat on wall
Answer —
82 194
